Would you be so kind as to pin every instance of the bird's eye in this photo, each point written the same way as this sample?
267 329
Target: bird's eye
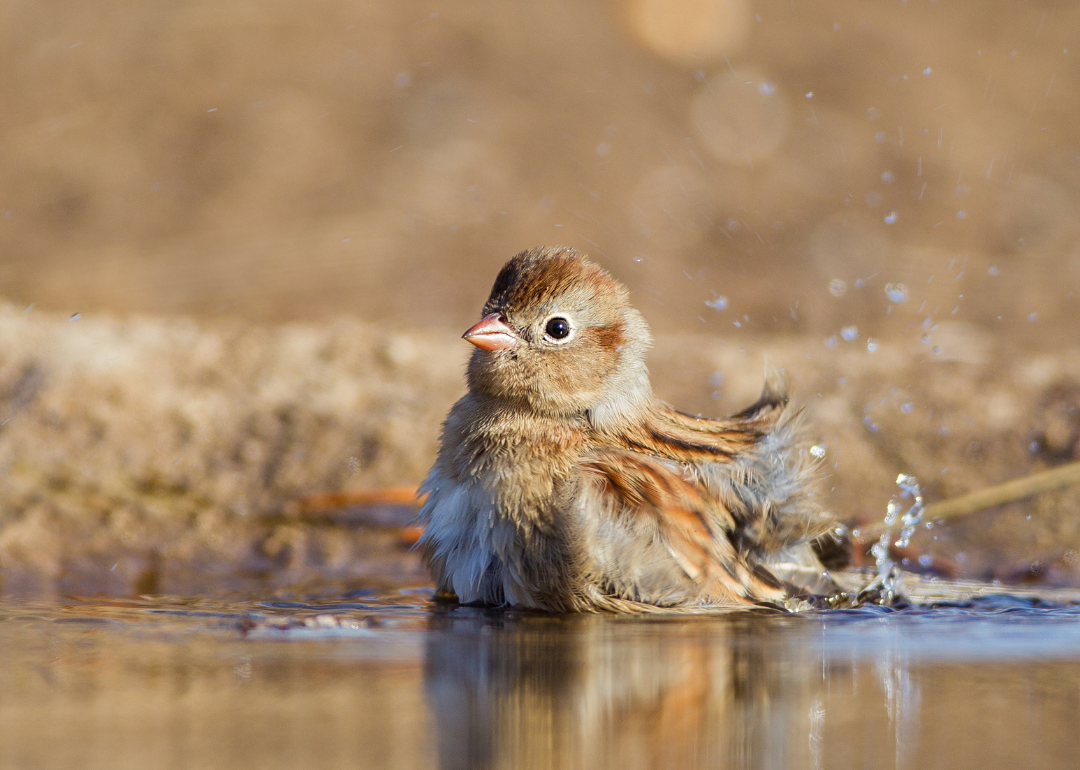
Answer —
557 328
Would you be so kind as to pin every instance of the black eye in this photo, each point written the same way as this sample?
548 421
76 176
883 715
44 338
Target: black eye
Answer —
557 328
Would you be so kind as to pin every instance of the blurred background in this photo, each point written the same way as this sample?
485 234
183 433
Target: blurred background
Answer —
274 219
239 241
381 159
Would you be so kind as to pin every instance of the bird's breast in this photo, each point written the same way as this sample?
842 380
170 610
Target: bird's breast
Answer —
522 463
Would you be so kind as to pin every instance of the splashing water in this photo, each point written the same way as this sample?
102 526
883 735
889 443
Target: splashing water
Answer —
909 486
889 575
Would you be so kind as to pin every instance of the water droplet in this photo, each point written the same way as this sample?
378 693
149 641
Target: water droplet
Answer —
1034 446
961 214
768 88
1033 317
871 345
831 342
927 71
896 292
907 408
879 137
837 287
76 316
993 270
719 303
817 451
886 177
936 350
737 324
890 218
809 94
850 333
925 560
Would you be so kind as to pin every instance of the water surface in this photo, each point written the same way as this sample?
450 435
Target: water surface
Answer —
385 678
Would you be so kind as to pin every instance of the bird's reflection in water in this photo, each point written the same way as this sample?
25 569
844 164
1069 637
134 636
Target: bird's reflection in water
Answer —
512 690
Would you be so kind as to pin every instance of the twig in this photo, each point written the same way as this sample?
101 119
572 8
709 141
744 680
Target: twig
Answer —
1009 491
328 501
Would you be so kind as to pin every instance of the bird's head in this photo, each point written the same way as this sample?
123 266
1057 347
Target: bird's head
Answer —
558 337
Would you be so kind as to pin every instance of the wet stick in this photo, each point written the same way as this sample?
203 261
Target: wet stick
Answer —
999 494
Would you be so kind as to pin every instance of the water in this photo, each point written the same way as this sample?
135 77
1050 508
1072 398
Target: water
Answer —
387 679
890 580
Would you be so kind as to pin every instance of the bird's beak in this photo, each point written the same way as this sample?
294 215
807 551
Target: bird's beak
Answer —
491 334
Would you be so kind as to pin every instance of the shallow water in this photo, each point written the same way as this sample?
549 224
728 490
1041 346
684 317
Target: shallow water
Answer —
385 678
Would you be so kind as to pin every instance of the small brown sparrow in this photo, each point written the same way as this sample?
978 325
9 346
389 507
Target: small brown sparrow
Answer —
563 484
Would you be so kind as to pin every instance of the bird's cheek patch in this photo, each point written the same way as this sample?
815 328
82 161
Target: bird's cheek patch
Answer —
609 338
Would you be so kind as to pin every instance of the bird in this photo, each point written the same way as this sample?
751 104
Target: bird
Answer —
563 484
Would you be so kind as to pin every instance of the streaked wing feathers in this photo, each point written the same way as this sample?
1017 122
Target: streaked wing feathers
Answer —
693 526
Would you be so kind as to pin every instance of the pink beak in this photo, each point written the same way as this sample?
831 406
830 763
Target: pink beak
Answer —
491 334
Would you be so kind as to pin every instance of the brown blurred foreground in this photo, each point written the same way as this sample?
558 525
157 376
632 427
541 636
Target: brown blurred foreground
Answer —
152 454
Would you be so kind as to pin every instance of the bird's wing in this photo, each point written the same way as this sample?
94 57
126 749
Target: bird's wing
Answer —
658 533
753 462
682 437
667 432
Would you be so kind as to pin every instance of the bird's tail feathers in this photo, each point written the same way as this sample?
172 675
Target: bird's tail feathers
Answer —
774 398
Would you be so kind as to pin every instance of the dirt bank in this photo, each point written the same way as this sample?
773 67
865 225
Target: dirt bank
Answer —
147 453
